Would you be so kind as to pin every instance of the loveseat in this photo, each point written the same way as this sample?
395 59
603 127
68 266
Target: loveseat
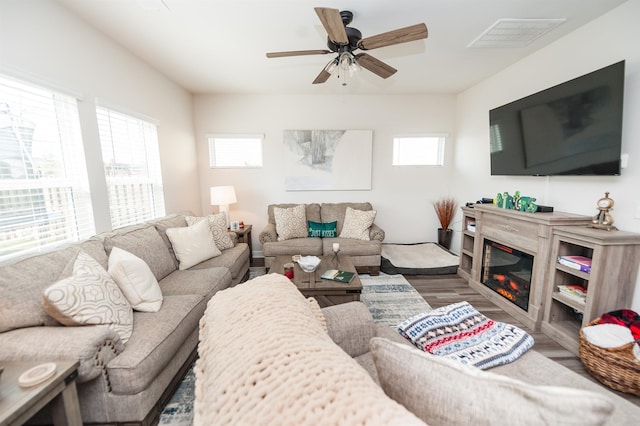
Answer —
364 246
293 363
118 382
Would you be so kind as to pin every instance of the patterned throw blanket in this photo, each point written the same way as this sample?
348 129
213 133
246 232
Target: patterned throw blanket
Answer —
461 333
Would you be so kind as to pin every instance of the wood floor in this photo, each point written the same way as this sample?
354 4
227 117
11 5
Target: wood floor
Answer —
441 290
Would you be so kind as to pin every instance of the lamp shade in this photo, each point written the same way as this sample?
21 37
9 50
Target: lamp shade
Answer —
223 195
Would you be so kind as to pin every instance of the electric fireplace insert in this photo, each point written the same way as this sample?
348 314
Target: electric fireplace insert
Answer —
507 271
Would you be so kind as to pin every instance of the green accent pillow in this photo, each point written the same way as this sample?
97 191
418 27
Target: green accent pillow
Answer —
323 230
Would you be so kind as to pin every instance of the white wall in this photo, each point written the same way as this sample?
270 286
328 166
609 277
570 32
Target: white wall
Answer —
43 42
402 196
606 40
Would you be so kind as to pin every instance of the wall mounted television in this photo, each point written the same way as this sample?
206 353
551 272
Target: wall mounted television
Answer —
574 128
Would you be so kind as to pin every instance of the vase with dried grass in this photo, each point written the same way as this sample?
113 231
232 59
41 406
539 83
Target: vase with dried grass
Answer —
445 210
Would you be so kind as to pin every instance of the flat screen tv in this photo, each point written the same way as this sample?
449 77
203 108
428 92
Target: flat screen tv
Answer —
574 128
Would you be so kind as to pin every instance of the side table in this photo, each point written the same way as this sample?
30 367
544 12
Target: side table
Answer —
18 404
244 236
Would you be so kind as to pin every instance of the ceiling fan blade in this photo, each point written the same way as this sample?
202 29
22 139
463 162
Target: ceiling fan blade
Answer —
374 65
297 53
322 77
402 35
332 23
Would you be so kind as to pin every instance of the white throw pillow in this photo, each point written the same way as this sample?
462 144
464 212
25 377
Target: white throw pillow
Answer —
89 297
291 222
444 392
135 279
357 224
193 244
218 227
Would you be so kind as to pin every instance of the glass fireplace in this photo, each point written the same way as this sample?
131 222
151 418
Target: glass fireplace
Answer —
507 271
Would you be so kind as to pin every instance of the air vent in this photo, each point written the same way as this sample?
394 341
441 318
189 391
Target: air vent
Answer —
514 32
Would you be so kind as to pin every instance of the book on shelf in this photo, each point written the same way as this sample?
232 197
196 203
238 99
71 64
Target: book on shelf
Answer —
574 291
337 275
580 263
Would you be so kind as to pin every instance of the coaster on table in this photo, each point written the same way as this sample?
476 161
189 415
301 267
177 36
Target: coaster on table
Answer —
37 374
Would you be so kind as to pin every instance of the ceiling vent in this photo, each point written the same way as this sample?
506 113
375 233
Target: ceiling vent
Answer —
514 32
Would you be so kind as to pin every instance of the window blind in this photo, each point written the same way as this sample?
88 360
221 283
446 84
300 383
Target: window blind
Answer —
132 167
44 188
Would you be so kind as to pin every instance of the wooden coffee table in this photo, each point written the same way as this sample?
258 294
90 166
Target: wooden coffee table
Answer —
326 292
18 404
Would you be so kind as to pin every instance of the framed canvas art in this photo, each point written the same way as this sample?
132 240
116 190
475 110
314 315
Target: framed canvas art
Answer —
327 160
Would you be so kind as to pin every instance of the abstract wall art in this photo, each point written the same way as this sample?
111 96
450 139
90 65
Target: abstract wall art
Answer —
327 160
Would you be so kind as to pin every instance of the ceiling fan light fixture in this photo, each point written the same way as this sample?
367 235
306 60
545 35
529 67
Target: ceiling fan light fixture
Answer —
355 66
346 61
332 65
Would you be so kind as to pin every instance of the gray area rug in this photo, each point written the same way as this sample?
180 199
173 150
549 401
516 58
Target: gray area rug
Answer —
390 299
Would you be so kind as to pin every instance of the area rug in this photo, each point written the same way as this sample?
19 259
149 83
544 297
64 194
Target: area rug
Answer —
418 259
390 298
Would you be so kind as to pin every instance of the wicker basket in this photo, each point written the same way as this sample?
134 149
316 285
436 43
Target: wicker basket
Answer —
617 368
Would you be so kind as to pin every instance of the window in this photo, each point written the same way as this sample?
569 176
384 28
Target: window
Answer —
235 150
418 150
44 189
131 167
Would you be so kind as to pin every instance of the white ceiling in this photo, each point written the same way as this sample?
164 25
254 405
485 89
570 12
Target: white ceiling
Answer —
219 46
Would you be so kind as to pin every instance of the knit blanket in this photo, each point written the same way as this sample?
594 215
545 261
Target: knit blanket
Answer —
461 333
265 358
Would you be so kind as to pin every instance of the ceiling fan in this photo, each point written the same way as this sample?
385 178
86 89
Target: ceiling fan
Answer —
344 40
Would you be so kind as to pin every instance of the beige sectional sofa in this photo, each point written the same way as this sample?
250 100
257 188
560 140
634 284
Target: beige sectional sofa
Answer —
117 382
294 363
365 254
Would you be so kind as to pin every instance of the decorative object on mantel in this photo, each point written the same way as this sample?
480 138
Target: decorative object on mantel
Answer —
516 202
445 210
604 220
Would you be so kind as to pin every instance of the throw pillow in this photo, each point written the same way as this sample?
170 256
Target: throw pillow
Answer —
357 223
136 281
145 242
290 222
322 230
193 244
218 227
441 391
89 297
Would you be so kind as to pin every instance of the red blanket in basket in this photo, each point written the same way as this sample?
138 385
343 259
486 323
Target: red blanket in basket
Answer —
625 317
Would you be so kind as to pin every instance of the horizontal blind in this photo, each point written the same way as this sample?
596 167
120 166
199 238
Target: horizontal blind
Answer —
44 188
132 167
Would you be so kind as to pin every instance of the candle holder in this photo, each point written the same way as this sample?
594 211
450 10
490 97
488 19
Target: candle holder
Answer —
335 256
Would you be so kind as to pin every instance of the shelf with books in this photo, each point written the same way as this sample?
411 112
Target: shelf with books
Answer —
611 258
573 302
579 263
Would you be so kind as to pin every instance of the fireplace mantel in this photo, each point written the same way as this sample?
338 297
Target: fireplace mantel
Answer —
528 232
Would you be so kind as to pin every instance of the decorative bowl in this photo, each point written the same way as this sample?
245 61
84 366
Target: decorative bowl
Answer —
309 263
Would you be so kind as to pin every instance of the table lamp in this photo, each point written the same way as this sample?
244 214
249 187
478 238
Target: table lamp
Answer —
222 196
